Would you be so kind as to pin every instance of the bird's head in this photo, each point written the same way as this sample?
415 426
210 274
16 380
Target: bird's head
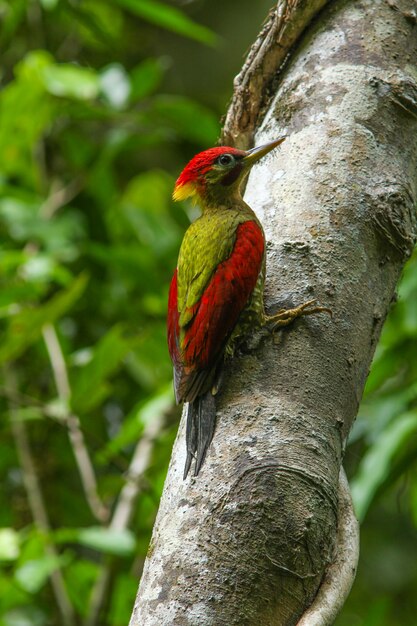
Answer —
215 174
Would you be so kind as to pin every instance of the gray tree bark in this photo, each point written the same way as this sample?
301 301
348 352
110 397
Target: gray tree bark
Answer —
266 531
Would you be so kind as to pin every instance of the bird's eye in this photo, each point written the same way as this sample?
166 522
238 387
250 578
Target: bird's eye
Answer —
226 159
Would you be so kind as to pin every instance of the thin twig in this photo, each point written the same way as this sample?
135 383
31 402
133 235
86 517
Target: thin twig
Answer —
35 497
60 196
139 464
82 457
57 360
124 509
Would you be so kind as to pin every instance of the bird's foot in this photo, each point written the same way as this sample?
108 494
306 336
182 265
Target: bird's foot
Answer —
284 317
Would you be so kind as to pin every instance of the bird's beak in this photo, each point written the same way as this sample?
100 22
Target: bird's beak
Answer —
252 156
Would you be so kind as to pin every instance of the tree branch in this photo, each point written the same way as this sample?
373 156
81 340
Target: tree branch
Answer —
253 86
60 196
124 509
76 436
35 497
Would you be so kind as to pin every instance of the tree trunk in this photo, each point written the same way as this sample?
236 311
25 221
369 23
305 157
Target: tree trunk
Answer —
262 532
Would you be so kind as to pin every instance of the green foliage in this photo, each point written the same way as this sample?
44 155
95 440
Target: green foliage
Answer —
90 143
9 544
382 459
169 17
376 465
387 421
32 575
105 540
95 125
25 326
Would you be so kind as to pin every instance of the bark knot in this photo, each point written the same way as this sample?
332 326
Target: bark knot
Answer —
394 218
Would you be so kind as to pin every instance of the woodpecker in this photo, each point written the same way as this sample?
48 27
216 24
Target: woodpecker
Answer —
217 292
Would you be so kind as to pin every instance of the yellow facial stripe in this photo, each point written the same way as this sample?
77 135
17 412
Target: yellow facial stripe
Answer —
181 192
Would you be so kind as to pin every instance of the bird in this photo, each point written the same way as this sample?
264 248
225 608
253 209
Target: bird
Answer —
216 295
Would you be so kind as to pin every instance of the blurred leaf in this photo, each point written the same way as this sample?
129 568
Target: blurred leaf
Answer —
375 465
119 543
33 575
148 362
33 544
98 23
377 611
384 367
28 413
24 616
80 576
90 383
26 327
146 77
9 544
58 235
20 129
115 85
145 203
12 15
378 411
11 594
190 119
169 17
48 5
133 424
71 81
123 598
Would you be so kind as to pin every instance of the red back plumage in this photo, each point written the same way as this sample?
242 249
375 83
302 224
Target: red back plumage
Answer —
195 354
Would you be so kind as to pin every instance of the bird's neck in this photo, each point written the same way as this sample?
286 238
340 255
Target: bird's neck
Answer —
222 201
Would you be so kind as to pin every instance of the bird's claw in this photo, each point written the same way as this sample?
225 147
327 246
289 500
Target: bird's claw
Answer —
284 317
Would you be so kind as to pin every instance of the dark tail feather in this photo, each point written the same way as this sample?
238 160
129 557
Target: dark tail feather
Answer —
191 434
201 421
206 422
